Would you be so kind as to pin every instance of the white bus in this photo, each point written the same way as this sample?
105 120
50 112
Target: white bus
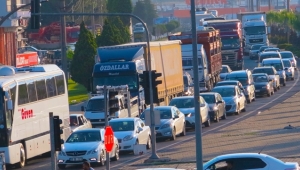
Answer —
27 96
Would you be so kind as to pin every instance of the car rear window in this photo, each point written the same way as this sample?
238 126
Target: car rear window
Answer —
264 56
268 71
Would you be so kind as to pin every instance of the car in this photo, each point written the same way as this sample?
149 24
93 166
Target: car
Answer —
272 73
263 84
231 82
266 55
262 48
86 145
254 50
272 49
289 69
139 30
245 77
278 65
186 106
233 97
172 122
289 55
131 131
225 70
253 161
188 84
216 105
78 121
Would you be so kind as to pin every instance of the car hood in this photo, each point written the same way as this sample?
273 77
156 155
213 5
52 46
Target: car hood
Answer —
80 146
122 134
272 77
227 99
164 121
187 110
254 51
211 105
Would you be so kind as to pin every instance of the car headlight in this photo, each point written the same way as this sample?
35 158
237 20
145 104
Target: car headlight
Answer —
165 126
213 108
266 87
93 151
128 137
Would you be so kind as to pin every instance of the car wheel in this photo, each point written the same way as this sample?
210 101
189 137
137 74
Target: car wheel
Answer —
249 99
238 111
284 83
217 119
183 133
244 109
102 161
224 116
117 156
149 144
22 162
278 88
207 123
173 134
293 78
61 166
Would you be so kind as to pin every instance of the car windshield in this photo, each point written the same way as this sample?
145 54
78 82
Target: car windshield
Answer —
224 70
95 105
286 63
118 126
256 47
255 30
182 102
164 113
73 121
268 56
277 66
243 80
225 92
210 99
263 48
268 71
286 55
260 78
84 137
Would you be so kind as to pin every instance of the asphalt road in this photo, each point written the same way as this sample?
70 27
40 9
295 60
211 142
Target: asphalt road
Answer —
262 103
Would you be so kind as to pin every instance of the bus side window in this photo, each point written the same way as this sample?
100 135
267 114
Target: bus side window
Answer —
41 89
51 88
60 84
31 91
23 94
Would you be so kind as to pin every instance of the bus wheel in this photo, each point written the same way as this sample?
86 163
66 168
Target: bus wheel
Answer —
22 162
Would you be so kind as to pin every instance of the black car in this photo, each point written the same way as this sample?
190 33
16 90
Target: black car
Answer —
263 84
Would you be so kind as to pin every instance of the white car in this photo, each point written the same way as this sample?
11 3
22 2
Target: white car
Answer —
78 121
289 55
235 100
253 161
186 105
86 145
131 131
225 70
289 69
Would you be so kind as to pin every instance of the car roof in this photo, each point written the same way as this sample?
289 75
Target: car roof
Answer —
286 59
263 67
242 155
273 48
238 72
184 97
89 130
270 59
162 107
269 52
209 93
76 114
225 66
235 81
259 74
124 119
286 52
227 86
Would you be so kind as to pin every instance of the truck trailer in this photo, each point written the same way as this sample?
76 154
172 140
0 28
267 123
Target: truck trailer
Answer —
231 37
209 56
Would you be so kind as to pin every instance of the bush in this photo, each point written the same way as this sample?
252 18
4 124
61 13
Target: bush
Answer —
284 46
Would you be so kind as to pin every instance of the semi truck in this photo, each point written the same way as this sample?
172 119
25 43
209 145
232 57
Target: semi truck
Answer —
231 37
122 64
254 28
209 56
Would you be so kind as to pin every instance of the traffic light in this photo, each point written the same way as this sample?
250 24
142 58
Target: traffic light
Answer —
35 9
154 84
144 79
57 133
112 102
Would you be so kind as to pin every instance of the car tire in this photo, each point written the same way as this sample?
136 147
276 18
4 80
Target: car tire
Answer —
61 166
183 133
238 110
117 154
102 161
244 109
224 115
149 144
173 134
22 162
284 83
278 88
207 123
217 119
293 78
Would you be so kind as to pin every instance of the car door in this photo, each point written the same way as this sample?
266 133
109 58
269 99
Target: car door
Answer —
221 105
204 110
138 133
277 78
181 119
242 98
145 133
176 120
252 87
239 163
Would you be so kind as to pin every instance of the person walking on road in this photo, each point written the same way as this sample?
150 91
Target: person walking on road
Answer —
87 166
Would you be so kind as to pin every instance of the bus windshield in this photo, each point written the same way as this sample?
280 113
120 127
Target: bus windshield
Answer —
3 134
130 80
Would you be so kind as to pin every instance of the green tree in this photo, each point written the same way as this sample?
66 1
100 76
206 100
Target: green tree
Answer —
120 6
84 57
172 25
146 11
110 35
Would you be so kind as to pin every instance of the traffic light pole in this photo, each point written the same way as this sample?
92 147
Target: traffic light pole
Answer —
106 92
53 152
198 121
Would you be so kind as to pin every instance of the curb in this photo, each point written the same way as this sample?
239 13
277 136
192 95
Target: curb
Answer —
167 163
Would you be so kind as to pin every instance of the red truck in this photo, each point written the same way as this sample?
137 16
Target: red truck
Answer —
209 56
231 37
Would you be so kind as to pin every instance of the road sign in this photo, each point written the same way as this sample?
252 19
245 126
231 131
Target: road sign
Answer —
109 139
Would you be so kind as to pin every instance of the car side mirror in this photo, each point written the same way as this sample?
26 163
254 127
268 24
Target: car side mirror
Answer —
139 129
219 102
285 68
176 117
82 108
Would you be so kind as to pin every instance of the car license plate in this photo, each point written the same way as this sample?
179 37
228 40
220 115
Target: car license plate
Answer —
257 90
76 159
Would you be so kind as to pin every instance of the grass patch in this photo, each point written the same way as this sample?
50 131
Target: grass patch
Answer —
77 92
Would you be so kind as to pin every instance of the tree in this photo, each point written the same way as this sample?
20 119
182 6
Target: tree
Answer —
146 11
84 57
172 25
110 35
120 6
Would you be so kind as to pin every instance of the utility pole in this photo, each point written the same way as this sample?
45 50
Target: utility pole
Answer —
198 121
83 9
53 152
106 122
257 5
288 29
63 41
269 4
93 20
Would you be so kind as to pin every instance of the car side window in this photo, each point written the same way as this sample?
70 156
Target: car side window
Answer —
219 97
80 120
248 163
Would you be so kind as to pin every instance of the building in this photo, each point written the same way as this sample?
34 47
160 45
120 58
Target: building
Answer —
11 30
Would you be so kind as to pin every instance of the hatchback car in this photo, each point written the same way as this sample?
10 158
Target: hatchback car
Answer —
216 105
225 70
253 161
289 55
172 122
233 97
272 73
186 106
278 65
266 55
289 69
231 82
263 84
